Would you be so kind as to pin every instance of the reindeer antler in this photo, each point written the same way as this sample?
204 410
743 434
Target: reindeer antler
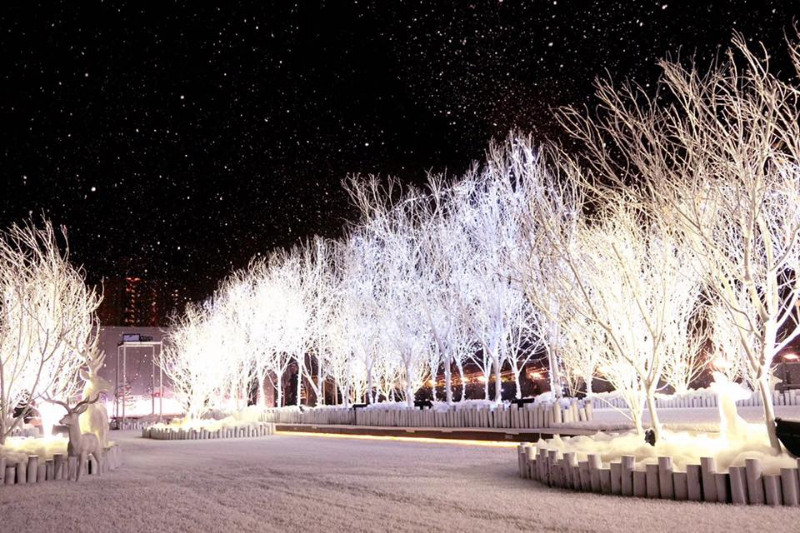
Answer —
77 405
87 401
51 400
94 358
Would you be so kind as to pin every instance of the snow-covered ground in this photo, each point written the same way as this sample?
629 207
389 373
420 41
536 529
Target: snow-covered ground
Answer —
312 483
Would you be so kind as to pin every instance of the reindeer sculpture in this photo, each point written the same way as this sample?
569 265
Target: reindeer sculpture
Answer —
81 445
95 418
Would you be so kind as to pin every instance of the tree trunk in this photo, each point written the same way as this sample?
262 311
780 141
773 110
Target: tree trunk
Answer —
555 376
370 391
769 410
2 426
448 383
518 388
651 407
346 395
460 369
409 396
299 384
637 422
498 384
588 383
262 400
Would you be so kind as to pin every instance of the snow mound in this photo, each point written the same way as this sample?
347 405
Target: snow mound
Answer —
17 449
685 448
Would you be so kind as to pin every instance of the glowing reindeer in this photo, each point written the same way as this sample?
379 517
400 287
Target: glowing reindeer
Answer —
81 445
95 418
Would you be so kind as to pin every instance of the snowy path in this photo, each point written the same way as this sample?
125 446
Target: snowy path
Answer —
304 483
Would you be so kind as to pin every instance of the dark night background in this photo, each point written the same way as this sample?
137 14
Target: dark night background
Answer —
176 141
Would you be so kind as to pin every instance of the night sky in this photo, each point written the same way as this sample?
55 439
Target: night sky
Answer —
176 141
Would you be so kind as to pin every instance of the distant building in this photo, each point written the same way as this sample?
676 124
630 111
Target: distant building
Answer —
134 301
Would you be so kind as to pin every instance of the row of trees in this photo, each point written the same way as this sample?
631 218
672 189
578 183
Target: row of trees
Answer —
47 322
669 241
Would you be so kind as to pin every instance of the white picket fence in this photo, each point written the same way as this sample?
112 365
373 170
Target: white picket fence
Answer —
254 429
791 397
741 485
57 468
133 424
529 416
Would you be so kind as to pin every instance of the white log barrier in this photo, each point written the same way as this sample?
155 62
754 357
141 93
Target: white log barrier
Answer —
628 463
772 490
526 416
33 468
755 484
708 469
740 485
665 478
651 473
254 429
616 478
789 486
22 474
639 484
694 483
722 482
605 481
594 471
681 486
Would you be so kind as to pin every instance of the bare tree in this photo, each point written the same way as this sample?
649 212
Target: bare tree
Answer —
47 320
685 359
193 361
717 157
550 208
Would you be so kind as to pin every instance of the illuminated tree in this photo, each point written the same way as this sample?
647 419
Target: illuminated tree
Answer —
685 359
357 267
320 292
549 208
192 359
490 291
47 320
579 352
718 160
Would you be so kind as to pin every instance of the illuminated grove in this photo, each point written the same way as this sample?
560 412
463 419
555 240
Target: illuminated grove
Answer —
615 314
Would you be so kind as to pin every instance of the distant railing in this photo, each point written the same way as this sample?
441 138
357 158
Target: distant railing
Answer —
523 416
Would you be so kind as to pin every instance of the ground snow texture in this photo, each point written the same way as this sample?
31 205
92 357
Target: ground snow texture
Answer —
308 483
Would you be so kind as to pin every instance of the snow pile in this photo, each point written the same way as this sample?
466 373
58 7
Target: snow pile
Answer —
683 447
17 449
